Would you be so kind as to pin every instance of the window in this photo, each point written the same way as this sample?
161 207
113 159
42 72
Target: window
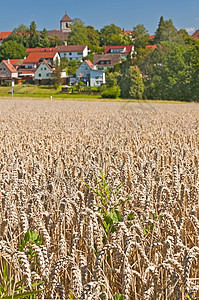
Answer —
39 75
79 53
44 68
47 74
0 69
66 25
70 53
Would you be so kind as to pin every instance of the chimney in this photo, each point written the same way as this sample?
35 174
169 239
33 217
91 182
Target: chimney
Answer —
8 61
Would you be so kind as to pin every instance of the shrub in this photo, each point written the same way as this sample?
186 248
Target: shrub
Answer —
113 92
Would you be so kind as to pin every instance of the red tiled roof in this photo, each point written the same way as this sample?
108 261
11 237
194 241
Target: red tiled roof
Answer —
195 35
4 35
66 18
89 63
29 50
127 48
70 48
34 57
152 37
9 66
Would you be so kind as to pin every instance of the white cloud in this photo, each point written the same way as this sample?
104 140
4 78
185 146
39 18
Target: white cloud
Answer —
190 29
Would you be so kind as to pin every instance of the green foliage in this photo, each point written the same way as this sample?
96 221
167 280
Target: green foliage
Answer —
109 34
141 36
111 92
104 190
30 236
130 216
167 32
44 41
78 34
34 40
12 49
118 297
131 83
10 289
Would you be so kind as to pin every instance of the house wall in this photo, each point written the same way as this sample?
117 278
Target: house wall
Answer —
5 72
97 78
30 66
43 72
83 71
75 55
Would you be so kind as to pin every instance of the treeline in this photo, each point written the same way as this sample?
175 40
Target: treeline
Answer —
171 71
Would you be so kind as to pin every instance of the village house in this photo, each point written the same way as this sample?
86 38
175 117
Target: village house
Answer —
43 73
73 52
97 77
105 61
123 50
83 72
8 72
88 73
34 58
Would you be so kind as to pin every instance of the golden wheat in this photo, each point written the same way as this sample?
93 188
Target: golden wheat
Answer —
50 152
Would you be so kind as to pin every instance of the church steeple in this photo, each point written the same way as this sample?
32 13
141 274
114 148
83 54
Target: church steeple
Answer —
65 23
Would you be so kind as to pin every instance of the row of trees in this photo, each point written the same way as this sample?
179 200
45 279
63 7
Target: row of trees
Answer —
23 37
169 72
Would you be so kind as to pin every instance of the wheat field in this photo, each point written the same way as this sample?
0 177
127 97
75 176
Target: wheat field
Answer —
53 155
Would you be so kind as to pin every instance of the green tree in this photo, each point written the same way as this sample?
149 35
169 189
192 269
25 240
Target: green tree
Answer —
55 41
12 49
141 36
34 39
131 83
20 35
44 41
57 74
167 32
93 38
109 33
78 34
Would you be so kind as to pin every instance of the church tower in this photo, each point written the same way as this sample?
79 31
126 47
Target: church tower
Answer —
65 23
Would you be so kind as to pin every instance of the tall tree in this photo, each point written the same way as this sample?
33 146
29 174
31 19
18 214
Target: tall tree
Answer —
12 49
167 32
78 34
108 33
93 38
131 83
34 37
44 41
141 36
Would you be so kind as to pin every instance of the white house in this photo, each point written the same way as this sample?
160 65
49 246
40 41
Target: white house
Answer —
7 71
89 74
43 74
97 77
73 52
83 72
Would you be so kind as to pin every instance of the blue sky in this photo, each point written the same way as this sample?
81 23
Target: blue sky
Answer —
126 13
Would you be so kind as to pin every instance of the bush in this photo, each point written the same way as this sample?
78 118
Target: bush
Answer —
5 83
113 92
